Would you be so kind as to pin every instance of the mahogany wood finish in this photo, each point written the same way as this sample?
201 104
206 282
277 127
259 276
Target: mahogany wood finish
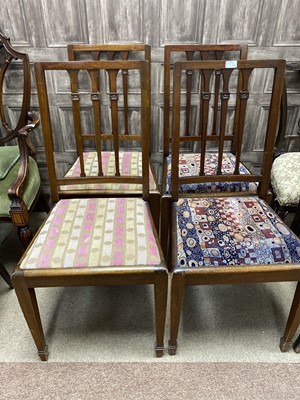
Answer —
190 52
18 134
26 280
96 52
183 276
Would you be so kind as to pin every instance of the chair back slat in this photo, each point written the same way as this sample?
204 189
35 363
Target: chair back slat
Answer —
96 104
228 85
100 109
192 52
225 96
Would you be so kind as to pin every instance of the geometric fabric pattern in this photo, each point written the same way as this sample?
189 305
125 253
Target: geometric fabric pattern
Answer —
95 232
189 165
285 178
130 165
232 231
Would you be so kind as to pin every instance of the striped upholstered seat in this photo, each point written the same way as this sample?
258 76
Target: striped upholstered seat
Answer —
88 233
130 165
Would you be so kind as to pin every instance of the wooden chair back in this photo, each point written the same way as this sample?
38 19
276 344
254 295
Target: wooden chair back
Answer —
95 100
193 52
239 103
14 65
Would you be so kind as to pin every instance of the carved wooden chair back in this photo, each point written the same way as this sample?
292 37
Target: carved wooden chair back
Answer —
126 111
191 115
94 240
222 238
20 185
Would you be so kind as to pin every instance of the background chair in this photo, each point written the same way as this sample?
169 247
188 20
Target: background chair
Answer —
190 116
124 92
228 238
94 241
285 173
20 185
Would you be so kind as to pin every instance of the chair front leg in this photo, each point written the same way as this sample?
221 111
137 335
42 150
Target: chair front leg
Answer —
177 294
292 322
29 306
160 295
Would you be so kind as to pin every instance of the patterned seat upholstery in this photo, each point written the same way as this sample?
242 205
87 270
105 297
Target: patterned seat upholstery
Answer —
285 178
189 165
228 231
130 165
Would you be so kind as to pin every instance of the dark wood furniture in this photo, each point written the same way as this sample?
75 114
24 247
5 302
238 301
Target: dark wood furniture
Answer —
20 185
5 275
229 238
95 241
285 175
122 113
190 115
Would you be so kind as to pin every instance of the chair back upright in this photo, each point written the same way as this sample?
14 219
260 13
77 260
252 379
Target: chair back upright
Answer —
92 118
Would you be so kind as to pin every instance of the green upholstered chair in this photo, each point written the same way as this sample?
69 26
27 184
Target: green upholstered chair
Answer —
20 184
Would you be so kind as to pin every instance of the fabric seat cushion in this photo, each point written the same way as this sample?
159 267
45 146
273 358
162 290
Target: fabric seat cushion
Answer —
95 232
9 155
130 165
32 186
226 231
189 165
285 178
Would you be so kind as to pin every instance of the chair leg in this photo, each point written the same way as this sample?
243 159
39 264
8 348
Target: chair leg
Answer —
177 294
292 322
44 202
25 235
164 225
154 203
29 306
5 275
296 345
160 295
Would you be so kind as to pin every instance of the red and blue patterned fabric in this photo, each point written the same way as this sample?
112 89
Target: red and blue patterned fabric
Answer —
230 231
189 165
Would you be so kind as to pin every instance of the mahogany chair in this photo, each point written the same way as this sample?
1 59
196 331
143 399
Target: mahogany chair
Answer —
190 115
229 238
92 241
20 184
5 275
124 94
285 173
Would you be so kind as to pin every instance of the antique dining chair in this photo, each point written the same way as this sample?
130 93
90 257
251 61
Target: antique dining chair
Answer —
20 184
190 115
230 238
94 241
285 172
127 123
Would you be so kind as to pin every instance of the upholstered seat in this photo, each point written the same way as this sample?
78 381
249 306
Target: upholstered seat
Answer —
189 165
130 165
226 231
95 233
285 178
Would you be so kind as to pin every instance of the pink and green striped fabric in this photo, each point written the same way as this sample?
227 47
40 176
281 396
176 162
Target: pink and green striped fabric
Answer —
95 232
